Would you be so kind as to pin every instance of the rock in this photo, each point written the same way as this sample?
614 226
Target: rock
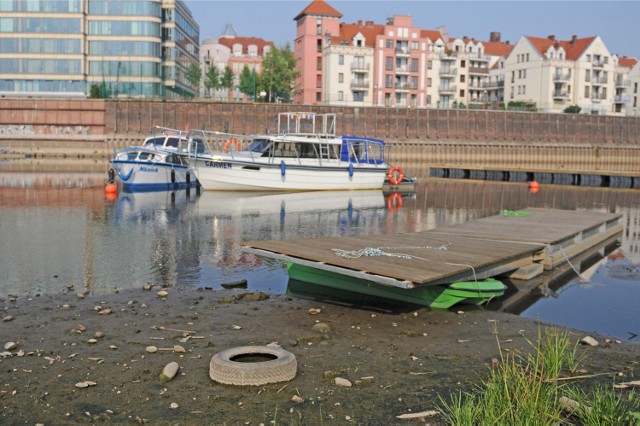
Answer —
92 341
314 311
9 346
178 349
80 296
113 347
162 293
342 382
169 372
105 311
85 384
174 405
99 335
254 297
297 399
588 340
152 349
7 318
147 286
321 327
80 328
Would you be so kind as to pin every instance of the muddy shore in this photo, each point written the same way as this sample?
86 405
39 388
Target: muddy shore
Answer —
398 362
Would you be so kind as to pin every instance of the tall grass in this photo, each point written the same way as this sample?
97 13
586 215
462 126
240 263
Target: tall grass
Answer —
524 389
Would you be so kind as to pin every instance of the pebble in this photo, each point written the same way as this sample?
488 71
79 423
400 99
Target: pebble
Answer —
314 311
80 295
321 327
105 311
588 340
92 341
10 346
80 328
152 349
7 318
99 335
174 405
297 399
169 372
113 347
342 382
163 293
85 384
147 286
179 349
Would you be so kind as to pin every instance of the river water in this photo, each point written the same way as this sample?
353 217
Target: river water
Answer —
59 229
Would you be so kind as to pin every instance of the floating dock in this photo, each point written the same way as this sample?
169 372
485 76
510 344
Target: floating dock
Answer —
519 244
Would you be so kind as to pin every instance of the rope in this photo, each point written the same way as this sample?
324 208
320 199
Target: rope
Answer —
380 251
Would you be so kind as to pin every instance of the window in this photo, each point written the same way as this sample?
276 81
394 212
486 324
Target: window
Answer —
319 27
428 99
635 87
358 96
340 78
524 90
318 97
414 82
463 64
603 93
389 44
428 82
519 74
462 76
414 45
586 91
527 57
340 95
340 59
414 65
462 93
524 73
588 58
388 81
587 75
388 63
429 64
512 92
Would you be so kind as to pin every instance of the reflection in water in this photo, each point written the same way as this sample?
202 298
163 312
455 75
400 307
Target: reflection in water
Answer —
57 236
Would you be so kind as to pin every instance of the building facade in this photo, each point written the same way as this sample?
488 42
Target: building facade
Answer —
78 48
236 53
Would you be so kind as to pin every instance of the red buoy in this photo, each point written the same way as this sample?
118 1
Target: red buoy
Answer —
111 188
534 186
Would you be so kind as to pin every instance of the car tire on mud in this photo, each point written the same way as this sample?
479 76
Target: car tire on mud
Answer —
234 366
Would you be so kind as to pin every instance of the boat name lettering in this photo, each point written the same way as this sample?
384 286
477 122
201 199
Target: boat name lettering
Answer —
218 164
149 169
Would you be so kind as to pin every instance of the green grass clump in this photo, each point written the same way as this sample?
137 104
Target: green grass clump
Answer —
524 389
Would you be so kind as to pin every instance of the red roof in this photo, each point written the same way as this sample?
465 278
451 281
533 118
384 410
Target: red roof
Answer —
369 30
432 35
318 8
497 48
245 42
627 62
574 47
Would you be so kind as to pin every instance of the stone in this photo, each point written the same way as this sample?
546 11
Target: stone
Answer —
297 399
152 349
179 349
342 382
163 293
9 346
314 311
80 295
169 372
92 341
147 286
588 340
321 327
105 311
174 405
7 318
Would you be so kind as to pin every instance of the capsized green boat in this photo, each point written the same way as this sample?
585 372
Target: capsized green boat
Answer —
433 296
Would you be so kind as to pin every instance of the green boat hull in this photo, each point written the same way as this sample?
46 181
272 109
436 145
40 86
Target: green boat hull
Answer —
434 296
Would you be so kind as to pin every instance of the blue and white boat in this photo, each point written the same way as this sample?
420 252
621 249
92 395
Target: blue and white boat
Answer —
142 169
304 155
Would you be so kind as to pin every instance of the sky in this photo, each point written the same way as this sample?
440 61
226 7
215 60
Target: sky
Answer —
616 22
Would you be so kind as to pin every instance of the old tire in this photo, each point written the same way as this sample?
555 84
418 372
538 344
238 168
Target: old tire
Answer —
226 367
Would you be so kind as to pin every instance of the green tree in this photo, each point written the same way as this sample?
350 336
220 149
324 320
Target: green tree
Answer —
279 74
226 81
248 82
573 109
194 74
212 78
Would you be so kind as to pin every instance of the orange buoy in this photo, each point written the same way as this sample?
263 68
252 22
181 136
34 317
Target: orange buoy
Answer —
394 202
111 196
395 175
111 188
534 187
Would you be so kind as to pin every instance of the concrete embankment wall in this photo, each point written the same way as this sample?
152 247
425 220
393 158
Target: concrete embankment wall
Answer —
420 137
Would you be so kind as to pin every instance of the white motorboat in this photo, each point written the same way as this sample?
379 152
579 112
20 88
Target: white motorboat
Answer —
140 169
304 155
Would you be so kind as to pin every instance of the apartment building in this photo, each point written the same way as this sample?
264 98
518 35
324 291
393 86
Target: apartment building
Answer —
236 53
632 108
124 48
554 74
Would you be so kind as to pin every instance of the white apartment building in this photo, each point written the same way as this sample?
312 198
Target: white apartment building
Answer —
627 79
554 74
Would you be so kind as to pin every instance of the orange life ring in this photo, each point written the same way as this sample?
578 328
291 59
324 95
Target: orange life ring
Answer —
395 175
394 202
231 142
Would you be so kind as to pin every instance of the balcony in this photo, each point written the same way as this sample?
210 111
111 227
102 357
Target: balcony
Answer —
560 95
598 80
598 63
562 77
597 97
359 67
403 70
622 82
403 51
448 72
450 89
479 57
622 99
496 84
478 70
404 87
451 56
360 85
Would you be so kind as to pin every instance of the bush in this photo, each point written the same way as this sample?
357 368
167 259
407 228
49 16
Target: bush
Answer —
573 109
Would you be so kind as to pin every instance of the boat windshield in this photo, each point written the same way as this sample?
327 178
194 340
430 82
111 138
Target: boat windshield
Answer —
259 145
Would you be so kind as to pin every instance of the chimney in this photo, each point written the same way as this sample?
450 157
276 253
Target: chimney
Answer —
494 36
573 39
369 23
552 37
359 22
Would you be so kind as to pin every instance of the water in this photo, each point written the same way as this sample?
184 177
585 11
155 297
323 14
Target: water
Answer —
53 237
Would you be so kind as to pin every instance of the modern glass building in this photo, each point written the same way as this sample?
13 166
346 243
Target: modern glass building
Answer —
100 48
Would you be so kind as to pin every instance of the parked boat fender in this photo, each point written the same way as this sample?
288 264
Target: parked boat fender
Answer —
395 175
350 170
188 178
112 175
231 142
394 202
173 176
283 168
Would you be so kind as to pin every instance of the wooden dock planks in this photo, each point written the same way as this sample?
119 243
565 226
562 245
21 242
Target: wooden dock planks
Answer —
474 250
